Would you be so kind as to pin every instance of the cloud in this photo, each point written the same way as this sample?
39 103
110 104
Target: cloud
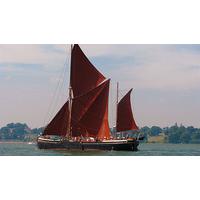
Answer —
154 66
32 62
45 55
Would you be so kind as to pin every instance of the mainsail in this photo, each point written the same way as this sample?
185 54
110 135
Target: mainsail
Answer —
88 114
125 120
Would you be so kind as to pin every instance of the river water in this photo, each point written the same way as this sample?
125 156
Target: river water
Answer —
25 149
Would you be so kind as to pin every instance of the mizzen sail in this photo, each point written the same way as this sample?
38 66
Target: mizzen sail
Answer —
125 120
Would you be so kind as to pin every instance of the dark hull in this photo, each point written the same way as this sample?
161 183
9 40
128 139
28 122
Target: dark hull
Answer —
106 146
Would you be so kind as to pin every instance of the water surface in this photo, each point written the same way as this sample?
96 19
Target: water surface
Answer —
25 149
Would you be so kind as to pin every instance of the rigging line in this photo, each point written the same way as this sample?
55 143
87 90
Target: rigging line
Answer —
59 89
47 116
59 93
111 105
121 94
52 102
65 79
65 83
60 85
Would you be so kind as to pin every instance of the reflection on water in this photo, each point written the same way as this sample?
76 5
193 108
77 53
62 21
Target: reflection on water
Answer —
25 149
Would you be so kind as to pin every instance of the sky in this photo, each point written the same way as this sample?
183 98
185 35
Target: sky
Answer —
165 81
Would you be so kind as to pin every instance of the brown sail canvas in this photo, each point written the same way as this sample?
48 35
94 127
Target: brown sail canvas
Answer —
58 125
125 120
90 113
84 76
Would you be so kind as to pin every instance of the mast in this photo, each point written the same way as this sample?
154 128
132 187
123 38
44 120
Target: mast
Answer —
69 131
117 101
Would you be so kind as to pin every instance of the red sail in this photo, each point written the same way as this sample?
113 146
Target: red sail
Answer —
58 125
125 120
90 113
84 76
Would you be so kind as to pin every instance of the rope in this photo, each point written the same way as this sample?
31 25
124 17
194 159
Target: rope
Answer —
52 103
59 93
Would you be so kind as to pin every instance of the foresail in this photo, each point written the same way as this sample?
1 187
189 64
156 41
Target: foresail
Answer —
90 113
84 76
125 120
58 125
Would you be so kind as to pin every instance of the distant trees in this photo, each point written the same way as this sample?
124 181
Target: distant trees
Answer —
183 134
175 134
195 138
37 131
18 131
155 130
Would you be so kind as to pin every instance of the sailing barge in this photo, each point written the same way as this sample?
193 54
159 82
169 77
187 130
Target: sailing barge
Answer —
82 122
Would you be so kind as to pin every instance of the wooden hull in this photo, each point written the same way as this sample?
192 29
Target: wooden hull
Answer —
106 146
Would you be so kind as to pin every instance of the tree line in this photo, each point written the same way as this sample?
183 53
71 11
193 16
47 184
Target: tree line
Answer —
174 134
19 131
